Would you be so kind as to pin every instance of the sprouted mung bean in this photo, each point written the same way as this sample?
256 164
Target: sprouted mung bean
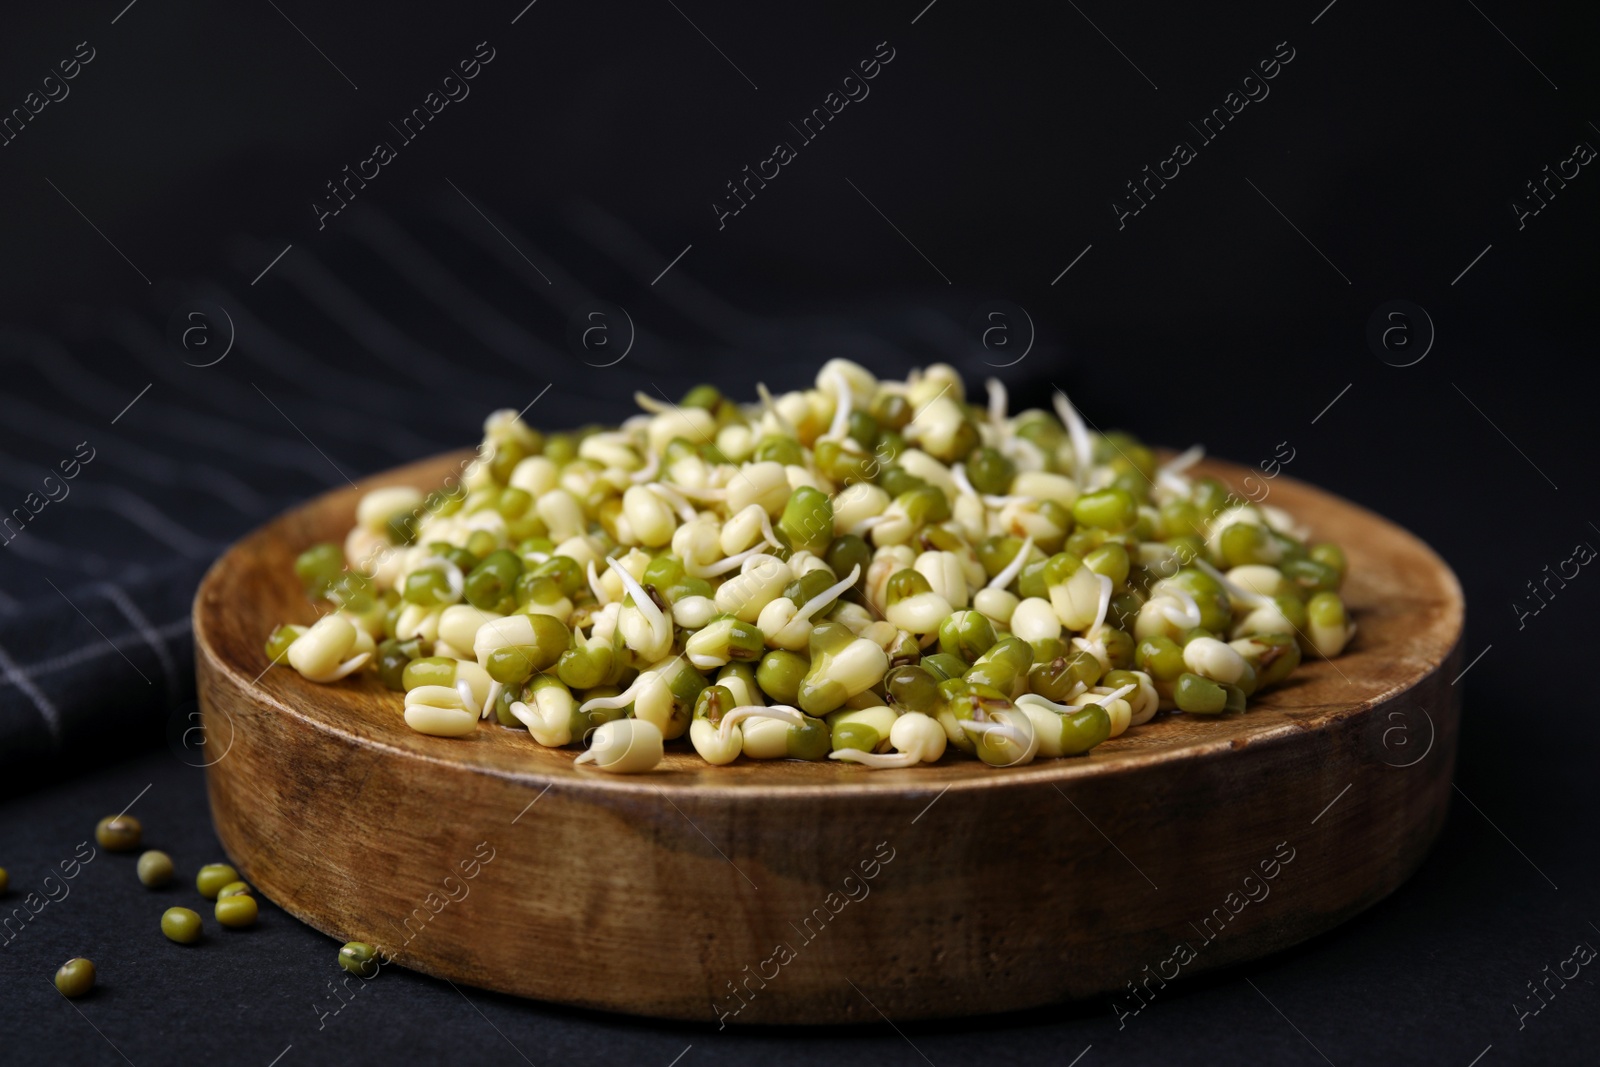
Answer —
875 572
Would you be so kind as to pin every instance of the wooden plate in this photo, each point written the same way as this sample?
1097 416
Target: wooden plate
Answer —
788 892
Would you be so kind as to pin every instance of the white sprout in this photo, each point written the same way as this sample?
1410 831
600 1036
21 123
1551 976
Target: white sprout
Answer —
652 465
1284 523
918 737
780 712
603 623
878 761
958 474
1034 699
660 625
495 689
452 573
1173 483
732 563
1190 616
1170 476
842 406
622 699
962 482
1096 648
1010 727
1234 589
596 587
1093 641
1037 701
1082 447
870 521
650 403
670 494
1023 452
770 407
1105 604
767 533
1185 459
704 492
854 447
465 689
1116 694
1014 568
826 598
793 633
997 402
349 666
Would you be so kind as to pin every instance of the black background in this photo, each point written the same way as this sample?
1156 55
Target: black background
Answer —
996 140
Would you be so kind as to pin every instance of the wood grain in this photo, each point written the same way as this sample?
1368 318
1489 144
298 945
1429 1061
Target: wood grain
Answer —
664 894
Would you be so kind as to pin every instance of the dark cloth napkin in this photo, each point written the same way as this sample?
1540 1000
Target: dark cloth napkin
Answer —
381 345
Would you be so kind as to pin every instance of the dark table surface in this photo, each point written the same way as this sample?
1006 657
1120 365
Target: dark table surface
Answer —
1436 974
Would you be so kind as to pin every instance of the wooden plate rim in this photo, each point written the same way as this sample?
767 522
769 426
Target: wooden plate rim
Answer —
852 781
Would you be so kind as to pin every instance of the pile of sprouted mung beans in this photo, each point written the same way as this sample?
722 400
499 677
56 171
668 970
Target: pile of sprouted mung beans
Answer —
868 571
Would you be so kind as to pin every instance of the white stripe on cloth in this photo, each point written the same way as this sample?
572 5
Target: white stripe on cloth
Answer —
79 656
435 283
36 549
325 291
148 464
255 340
18 677
619 241
125 502
117 596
